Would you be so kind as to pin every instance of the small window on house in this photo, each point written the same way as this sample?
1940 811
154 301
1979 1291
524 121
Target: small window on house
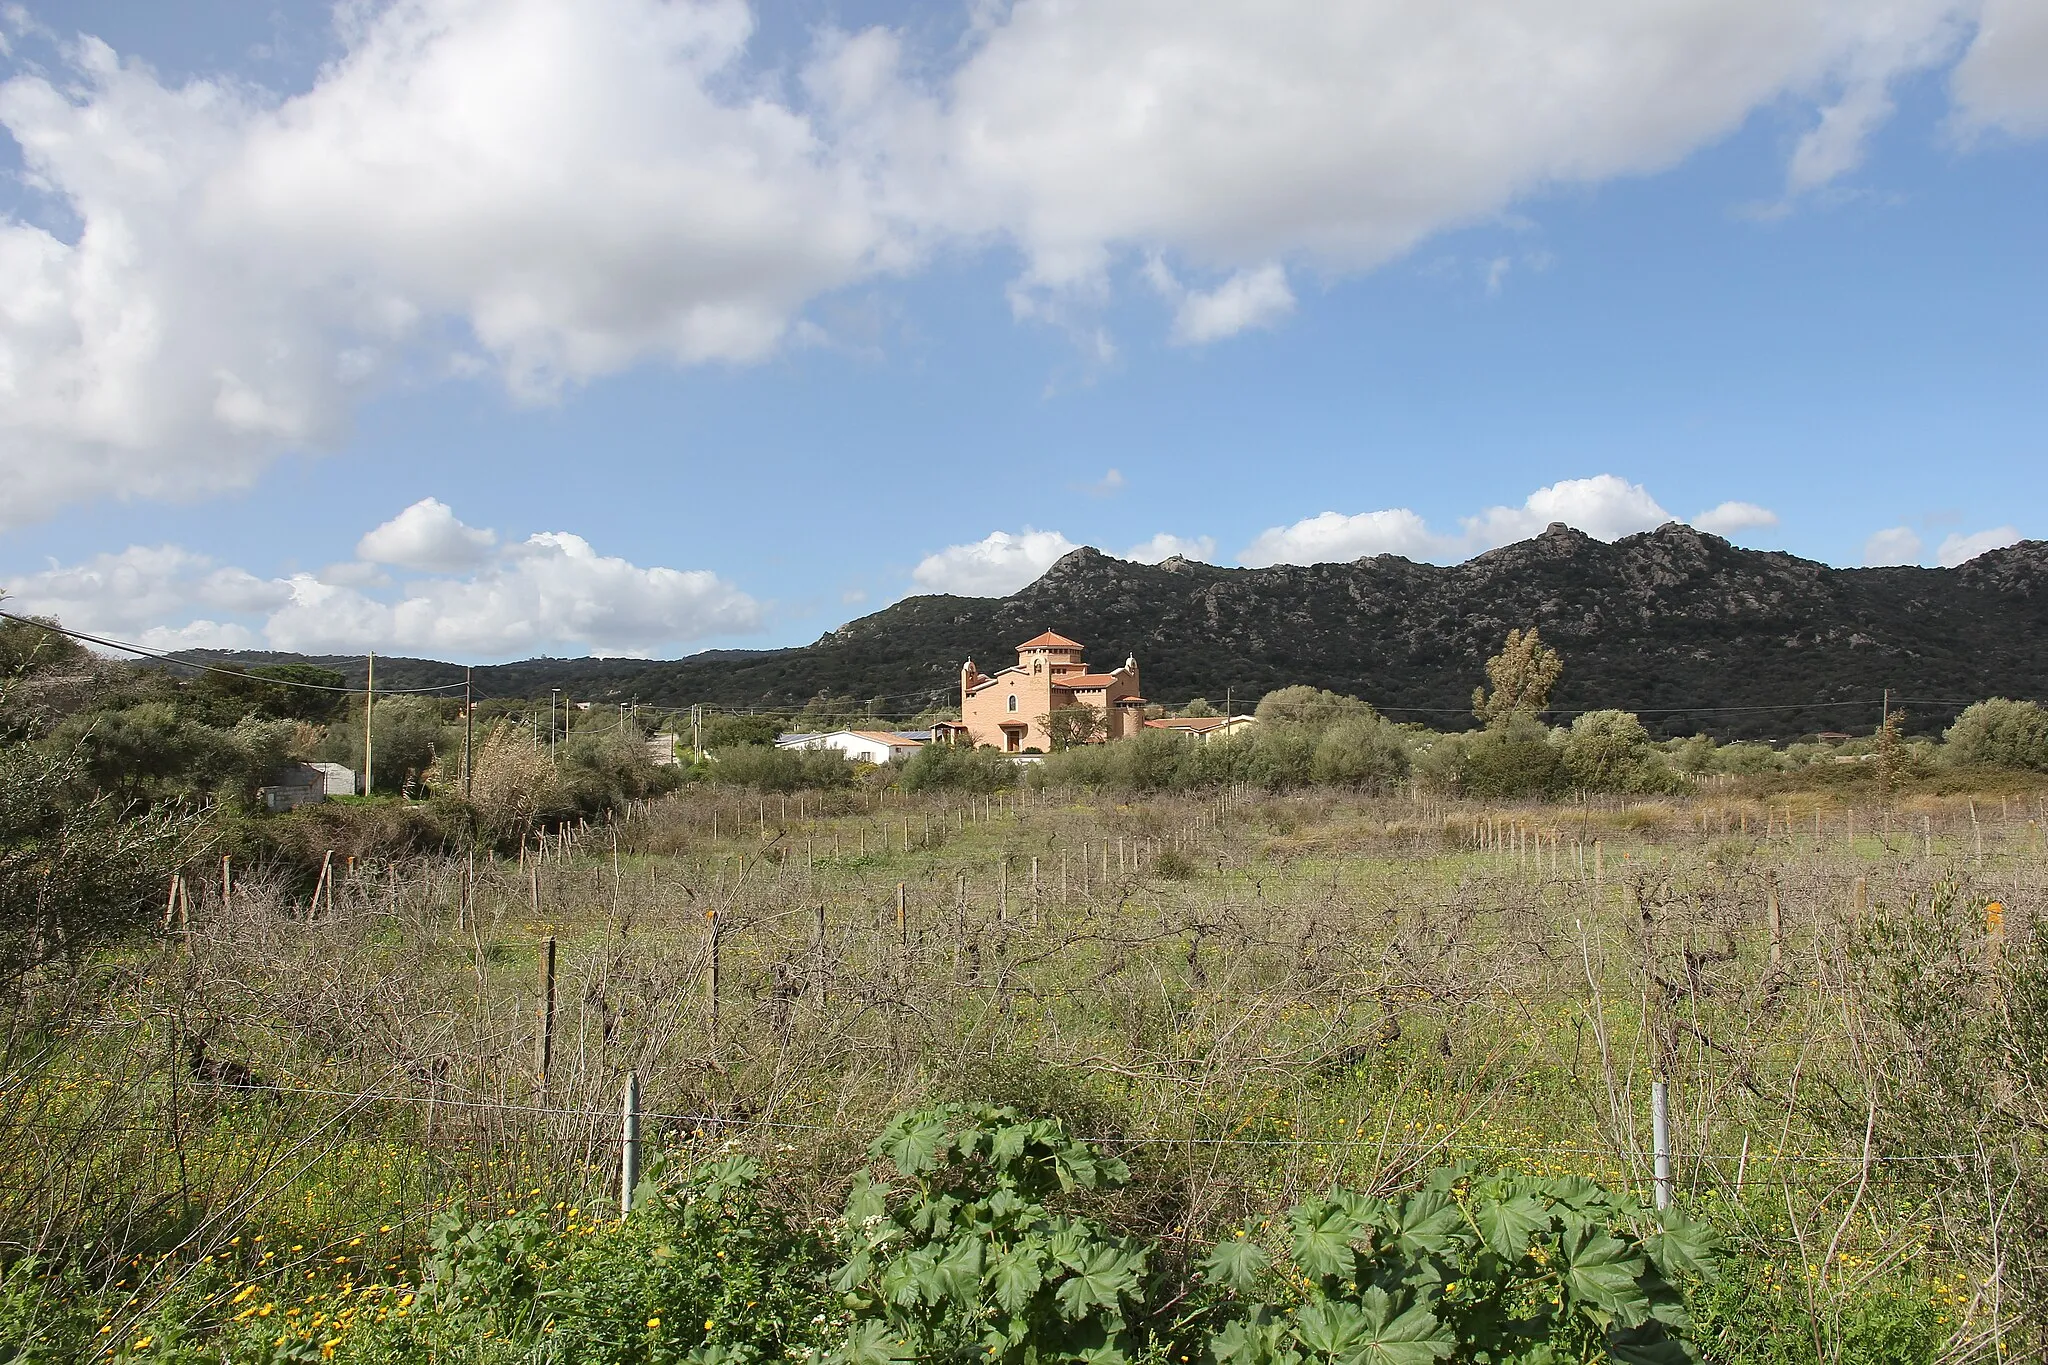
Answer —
1013 703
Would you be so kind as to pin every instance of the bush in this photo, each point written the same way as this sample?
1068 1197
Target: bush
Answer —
1314 707
1514 760
958 767
1610 751
1999 733
1470 1267
780 770
1364 752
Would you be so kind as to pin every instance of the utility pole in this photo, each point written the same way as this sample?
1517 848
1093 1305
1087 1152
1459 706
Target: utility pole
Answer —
697 729
369 701
553 694
468 734
1885 722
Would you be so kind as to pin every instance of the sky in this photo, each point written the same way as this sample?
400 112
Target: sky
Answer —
487 329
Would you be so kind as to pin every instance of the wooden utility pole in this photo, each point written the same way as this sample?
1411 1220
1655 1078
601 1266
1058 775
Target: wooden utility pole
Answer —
468 735
369 702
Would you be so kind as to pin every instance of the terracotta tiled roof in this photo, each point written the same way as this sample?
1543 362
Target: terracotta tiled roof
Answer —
1084 681
1193 724
1050 641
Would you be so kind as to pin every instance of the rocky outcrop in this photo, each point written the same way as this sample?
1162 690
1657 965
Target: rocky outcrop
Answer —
1680 626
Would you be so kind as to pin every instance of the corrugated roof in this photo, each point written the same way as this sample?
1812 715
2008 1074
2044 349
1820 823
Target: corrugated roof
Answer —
1050 641
894 741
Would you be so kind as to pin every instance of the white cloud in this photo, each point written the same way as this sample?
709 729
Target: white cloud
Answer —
2002 81
1961 549
1604 506
1108 485
552 591
1254 297
1732 518
1892 546
551 192
995 566
1235 135
1333 536
429 537
1166 545
574 186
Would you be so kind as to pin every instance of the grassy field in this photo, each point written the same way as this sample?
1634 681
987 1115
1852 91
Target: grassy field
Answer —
1249 998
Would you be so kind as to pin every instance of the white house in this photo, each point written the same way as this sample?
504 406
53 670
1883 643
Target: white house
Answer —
866 746
335 780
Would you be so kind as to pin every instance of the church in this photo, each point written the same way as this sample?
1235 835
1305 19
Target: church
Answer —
1008 710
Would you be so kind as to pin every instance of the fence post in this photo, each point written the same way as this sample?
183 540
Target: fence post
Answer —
818 950
1660 1140
1777 919
629 1144
711 979
547 1009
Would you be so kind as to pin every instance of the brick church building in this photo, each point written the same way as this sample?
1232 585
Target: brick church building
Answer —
1008 709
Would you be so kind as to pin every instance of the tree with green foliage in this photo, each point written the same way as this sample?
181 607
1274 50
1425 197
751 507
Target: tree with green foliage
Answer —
1999 733
79 867
1314 707
1607 751
1069 727
1522 674
1199 708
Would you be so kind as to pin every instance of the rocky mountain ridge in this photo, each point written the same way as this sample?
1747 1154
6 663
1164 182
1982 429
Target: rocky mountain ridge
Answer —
1693 633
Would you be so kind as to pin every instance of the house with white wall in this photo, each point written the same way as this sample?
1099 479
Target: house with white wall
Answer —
864 746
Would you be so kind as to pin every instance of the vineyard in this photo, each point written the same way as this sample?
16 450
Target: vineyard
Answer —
310 1111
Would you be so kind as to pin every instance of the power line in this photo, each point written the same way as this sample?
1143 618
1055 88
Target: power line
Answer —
210 668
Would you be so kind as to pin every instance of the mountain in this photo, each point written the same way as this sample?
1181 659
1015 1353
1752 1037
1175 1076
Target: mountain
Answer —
1682 627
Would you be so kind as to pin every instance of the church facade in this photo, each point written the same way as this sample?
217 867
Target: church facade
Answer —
1010 709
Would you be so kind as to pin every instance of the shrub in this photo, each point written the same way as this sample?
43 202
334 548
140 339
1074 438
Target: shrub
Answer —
958 767
970 1261
1610 751
1999 733
1515 759
1470 1267
1363 752
1314 707
780 770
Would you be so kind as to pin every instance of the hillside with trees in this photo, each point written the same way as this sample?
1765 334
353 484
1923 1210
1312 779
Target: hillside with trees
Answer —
1678 626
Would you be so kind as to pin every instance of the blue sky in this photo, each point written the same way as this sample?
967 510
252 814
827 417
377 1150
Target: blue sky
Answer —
701 325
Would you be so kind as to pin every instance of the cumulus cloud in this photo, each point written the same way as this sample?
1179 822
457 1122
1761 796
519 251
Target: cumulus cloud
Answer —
550 192
1256 297
995 566
1604 506
1895 545
1333 536
1731 518
574 186
1166 545
552 591
427 536
2002 81
1961 549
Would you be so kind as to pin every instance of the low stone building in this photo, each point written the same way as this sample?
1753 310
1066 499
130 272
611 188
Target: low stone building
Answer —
1012 709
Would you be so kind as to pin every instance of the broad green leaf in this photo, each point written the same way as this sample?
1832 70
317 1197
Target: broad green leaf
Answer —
1685 1246
1104 1274
1507 1225
1330 1327
875 1343
1323 1234
1429 1225
913 1146
1009 1143
1601 1270
957 1273
1236 1263
1016 1276
1648 1345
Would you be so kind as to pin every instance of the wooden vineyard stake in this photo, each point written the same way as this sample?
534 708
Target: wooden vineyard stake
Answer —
1777 920
546 1045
